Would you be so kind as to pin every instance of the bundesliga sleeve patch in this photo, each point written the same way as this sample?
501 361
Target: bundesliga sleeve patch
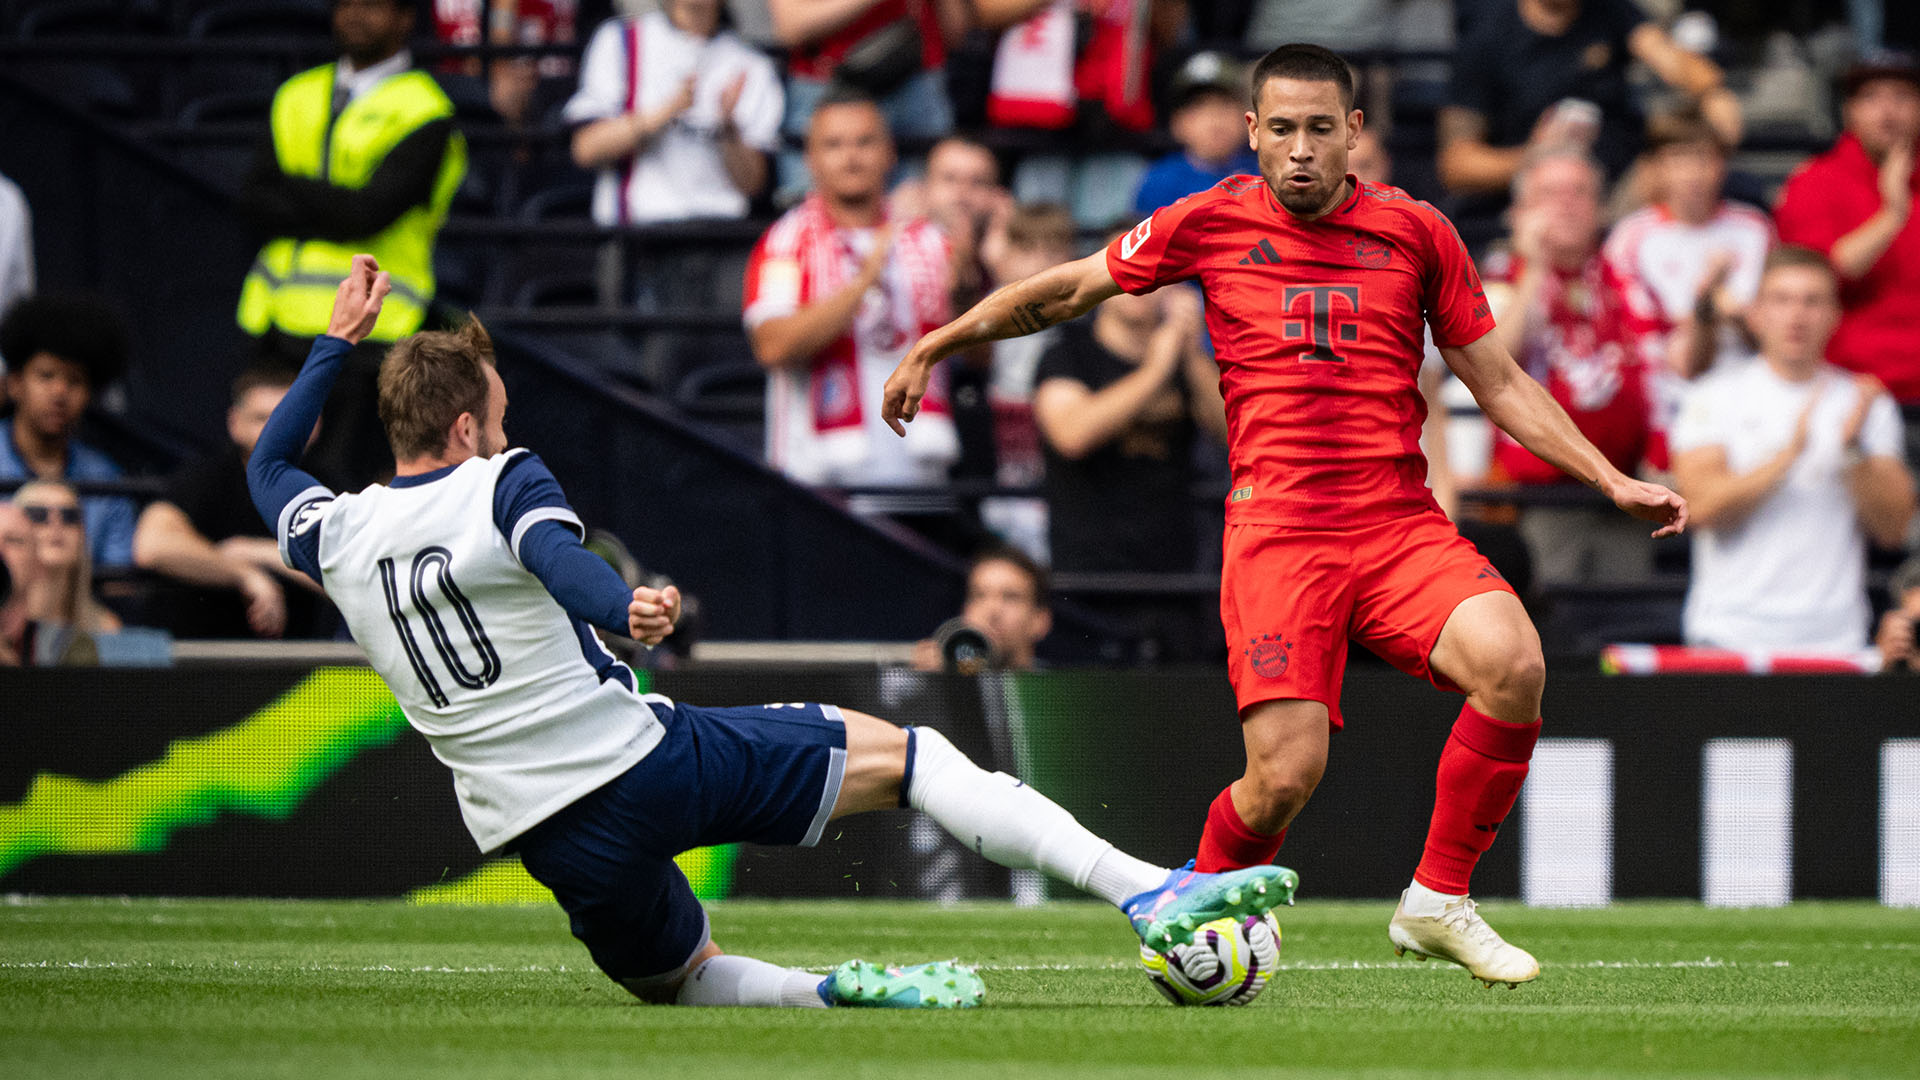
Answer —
1131 242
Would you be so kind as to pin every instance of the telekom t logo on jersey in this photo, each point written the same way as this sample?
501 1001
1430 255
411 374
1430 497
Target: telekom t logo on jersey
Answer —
1323 314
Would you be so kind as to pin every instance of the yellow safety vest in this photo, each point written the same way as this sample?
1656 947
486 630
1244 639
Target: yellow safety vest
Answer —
293 280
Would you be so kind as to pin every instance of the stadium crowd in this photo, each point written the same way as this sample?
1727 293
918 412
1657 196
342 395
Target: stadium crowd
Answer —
1748 327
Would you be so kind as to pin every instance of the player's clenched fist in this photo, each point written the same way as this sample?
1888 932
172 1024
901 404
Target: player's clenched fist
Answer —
356 306
651 615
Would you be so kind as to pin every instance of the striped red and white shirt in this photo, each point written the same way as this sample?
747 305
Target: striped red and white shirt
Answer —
823 422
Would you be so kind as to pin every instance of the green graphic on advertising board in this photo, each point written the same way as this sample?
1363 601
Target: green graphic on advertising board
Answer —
264 766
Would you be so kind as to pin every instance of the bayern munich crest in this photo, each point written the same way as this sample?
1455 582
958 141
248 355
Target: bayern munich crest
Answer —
1268 655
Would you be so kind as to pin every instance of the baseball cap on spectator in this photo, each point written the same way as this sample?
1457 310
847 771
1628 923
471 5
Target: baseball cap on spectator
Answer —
1206 73
1881 64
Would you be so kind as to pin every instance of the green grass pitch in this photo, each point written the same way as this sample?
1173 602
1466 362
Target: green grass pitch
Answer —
313 991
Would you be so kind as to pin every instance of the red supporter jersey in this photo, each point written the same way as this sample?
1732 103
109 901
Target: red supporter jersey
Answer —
1317 327
1584 345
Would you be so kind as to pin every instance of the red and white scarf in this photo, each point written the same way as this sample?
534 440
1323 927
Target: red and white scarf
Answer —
911 298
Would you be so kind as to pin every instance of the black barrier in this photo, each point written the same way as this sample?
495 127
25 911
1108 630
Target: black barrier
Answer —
306 782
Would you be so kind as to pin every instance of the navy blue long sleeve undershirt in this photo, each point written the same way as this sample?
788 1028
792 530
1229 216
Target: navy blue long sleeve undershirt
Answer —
580 581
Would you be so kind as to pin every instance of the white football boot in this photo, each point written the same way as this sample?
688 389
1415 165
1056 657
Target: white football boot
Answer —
1459 934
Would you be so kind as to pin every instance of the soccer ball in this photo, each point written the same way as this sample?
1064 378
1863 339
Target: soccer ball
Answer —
1228 963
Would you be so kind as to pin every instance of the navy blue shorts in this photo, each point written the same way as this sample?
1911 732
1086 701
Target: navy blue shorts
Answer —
762 774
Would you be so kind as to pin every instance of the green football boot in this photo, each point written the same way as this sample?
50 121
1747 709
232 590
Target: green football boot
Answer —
943 984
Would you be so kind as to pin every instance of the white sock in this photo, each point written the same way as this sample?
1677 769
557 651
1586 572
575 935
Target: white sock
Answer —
1004 820
1422 902
742 980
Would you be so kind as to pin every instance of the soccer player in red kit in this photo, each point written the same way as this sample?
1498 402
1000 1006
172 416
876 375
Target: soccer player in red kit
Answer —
1317 285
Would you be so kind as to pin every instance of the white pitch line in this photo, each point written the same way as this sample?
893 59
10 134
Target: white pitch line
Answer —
491 969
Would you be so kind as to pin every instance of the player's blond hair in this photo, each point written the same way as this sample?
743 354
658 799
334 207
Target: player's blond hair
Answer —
426 382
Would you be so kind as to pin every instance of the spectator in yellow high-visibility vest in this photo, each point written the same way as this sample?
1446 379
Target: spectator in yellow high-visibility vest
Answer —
363 157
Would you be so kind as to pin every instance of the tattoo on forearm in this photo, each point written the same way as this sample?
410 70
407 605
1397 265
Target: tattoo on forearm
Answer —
1030 318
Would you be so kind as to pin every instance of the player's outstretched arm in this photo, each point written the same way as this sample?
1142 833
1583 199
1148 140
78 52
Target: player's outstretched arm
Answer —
1027 306
1523 409
273 477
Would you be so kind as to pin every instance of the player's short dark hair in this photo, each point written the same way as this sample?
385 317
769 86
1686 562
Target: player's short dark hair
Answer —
264 374
1795 256
81 330
427 381
1308 63
1035 573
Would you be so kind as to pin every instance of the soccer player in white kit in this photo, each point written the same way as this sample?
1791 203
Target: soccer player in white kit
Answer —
465 582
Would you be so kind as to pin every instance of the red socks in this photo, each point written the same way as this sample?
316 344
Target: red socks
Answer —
1228 844
1481 770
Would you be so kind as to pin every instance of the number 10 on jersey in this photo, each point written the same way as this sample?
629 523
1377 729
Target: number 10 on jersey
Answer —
438 562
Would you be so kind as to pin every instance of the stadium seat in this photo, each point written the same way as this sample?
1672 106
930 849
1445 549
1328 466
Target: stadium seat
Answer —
300 19
578 289
245 107
95 87
572 199
730 397
72 18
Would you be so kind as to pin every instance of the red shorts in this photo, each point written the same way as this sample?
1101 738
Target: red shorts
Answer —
1291 599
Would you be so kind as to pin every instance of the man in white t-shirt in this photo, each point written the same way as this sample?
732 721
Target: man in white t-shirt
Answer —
1790 466
677 115
1694 256
837 290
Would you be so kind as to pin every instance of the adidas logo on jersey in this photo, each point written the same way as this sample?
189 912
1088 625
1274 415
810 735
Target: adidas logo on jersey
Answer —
1261 254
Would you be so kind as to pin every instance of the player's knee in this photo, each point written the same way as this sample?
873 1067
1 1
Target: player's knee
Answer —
1274 792
1515 678
1524 674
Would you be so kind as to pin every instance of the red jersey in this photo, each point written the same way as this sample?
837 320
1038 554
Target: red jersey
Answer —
1318 330
1879 334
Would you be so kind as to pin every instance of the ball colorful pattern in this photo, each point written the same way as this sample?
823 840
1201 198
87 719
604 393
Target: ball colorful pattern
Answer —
1228 963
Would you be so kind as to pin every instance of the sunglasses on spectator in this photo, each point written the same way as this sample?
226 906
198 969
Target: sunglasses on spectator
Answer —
40 515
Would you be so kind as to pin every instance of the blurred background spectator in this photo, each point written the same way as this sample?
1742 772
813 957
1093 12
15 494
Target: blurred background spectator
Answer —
894 51
961 194
1208 120
836 294
1119 399
1022 241
1006 605
21 568
1899 636
676 116
56 588
362 155
16 255
205 532
1854 204
513 83
1791 466
1692 258
64 350
1564 314
1554 73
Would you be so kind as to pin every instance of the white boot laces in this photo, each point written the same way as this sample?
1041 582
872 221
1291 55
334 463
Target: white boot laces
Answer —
1464 919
